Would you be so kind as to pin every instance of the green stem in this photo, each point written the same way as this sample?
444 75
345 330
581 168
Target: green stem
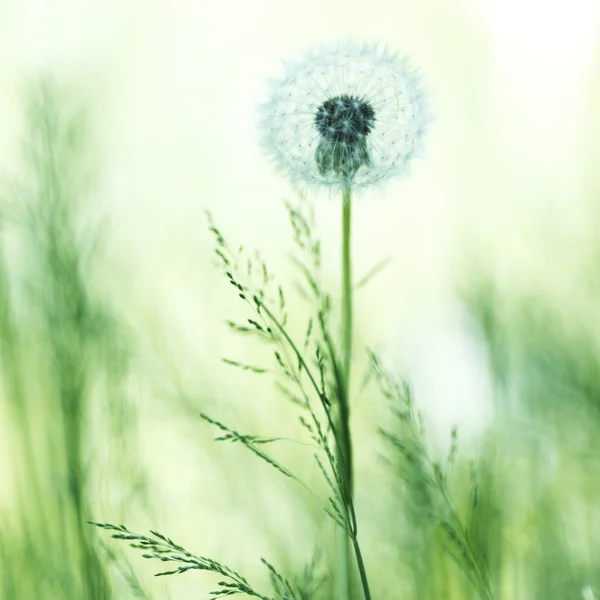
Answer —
346 337
361 568
345 456
346 284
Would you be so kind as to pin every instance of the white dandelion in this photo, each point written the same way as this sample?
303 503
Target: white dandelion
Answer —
345 117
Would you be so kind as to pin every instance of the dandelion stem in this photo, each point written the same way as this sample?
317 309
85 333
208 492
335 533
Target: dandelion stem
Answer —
345 457
346 338
346 286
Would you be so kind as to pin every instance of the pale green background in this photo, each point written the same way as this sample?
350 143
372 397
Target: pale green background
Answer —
510 179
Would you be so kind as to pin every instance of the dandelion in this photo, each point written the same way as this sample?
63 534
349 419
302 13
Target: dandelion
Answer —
347 117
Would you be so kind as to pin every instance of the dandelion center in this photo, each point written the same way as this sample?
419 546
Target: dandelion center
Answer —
343 122
345 119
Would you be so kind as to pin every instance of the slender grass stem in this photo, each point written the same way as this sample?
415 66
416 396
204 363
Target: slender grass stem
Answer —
361 568
288 339
338 423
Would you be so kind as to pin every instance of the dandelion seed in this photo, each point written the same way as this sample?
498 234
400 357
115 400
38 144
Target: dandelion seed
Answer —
346 117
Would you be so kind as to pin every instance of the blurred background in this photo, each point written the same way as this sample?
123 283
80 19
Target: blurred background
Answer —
122 122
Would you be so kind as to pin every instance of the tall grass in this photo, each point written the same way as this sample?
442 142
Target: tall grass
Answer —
58 342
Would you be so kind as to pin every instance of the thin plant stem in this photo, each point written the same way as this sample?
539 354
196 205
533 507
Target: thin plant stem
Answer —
349 528
346 315
345 457
361 568
351 531
262 306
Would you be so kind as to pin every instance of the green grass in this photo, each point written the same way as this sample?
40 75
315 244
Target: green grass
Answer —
515 519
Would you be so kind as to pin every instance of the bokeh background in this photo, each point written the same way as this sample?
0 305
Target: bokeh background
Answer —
113 312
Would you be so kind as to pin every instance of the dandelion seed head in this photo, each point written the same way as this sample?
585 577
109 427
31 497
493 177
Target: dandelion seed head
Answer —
345 116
